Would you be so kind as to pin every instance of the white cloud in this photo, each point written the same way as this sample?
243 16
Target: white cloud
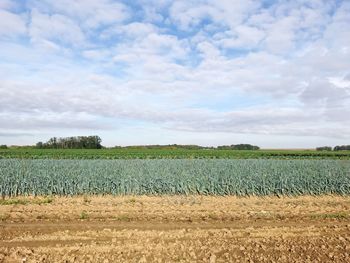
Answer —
11 24
96 54
337 34
90 13
233 13
321 91
183 67
56 28
209 51
138 30
130 31
8 4
187 14
151 50
281 35
244 37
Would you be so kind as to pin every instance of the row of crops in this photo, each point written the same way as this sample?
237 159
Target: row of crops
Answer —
30 153
165 176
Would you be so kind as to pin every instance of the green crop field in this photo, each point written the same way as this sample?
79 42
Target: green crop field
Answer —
184 176
28 171
30 153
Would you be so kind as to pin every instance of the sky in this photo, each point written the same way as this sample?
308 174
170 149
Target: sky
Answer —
270 73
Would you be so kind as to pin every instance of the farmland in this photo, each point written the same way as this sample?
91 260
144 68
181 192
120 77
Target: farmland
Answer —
137 153
175 229
134 205
174 131
182 176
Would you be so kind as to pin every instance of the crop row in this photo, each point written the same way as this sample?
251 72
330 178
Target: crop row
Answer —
209 177
30 153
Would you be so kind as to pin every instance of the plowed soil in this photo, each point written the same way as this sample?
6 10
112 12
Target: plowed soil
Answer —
175 229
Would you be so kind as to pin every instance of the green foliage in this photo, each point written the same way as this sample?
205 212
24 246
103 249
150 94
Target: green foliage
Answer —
84 215
79 142
4 146
4 217
129 153
14 201
123 218
324 148
340 215
25 201
342 148
164 147
239 147
86 199
164 176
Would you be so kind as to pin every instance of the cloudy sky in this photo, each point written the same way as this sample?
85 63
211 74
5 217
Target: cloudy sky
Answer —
271 73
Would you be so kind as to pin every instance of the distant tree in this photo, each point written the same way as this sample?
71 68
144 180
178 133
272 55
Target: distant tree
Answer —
39 145
79 142
238 147
52 143
324 148
116 147
93 142
342 148
165 147
4 146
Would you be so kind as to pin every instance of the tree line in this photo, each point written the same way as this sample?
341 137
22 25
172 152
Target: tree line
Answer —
163 147
191 147
77 142
94 142
336 148
238 147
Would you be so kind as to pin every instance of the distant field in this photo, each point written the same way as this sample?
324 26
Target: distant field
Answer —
169 154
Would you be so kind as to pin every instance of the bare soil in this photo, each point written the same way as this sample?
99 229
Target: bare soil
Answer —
175 229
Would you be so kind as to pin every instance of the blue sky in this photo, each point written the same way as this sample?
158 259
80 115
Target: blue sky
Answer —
271 73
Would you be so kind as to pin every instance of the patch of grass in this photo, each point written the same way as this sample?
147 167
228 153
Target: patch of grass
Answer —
86 199
124 218
14 201
131 201
46 200
4 217
22 201
280 216
84 215
340 215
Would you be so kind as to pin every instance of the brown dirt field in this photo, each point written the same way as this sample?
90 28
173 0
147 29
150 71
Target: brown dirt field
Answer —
175 229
